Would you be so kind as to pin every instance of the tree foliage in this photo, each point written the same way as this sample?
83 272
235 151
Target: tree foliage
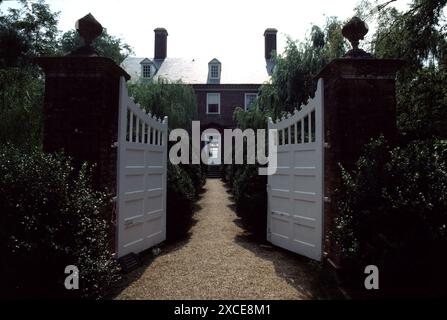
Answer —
106 45
163 98
293 80
419 36
27 32
21 100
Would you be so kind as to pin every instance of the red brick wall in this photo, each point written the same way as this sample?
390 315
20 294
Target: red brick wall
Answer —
231 97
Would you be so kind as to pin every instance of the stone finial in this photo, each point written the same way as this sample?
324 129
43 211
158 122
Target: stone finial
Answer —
89 29
355 30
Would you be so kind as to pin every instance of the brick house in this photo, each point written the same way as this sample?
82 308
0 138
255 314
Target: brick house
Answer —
221 84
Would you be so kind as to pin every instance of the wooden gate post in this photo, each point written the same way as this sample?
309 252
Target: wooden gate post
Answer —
81 106
359 104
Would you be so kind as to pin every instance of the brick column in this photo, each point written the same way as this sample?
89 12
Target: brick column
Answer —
81 112
81 117
359 104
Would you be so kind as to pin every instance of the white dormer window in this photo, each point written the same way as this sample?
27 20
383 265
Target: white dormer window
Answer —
147 72
214 69
147 69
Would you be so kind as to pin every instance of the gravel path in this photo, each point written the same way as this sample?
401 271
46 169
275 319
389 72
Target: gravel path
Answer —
219 261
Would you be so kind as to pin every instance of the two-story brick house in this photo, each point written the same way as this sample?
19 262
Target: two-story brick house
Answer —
221 84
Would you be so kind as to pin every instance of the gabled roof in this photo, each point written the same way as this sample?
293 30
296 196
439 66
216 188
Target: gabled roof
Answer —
146 61
214 61
235 70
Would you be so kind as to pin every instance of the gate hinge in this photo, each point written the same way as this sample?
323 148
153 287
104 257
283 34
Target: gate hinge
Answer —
327 145
114 145
327 199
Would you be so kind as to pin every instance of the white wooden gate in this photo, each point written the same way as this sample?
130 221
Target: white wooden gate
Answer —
141 185
295 191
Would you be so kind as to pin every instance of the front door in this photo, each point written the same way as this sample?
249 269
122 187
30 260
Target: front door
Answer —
213 149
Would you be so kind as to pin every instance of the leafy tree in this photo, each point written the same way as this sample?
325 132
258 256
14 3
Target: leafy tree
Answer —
163 98
27 32
21 100
419 37
106 45
293 80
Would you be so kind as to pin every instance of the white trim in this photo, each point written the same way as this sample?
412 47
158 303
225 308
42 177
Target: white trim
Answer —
245 99
207 99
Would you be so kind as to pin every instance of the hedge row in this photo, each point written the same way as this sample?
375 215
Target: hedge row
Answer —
50 217
250 196
185 183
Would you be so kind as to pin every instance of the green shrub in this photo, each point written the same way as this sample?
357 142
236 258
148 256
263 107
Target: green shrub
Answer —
250 195
393 214
50 217
197 175
180 199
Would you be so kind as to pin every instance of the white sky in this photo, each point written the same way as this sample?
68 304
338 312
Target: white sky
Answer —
204 28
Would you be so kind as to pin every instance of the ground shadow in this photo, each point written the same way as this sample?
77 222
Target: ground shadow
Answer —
319 282
304 274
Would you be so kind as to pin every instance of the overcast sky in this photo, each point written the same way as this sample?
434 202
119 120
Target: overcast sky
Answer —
204 28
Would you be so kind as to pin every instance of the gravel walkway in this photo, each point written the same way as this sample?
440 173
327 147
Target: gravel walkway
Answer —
219 261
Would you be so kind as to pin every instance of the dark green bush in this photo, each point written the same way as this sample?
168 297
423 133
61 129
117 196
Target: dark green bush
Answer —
180 200
393 214
250 196
50 217
197 175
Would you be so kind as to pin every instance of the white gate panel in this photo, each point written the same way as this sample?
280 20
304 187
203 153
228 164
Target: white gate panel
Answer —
141 185
295 191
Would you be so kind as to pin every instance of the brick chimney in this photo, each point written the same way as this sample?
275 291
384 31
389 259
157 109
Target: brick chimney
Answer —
161 43
270 42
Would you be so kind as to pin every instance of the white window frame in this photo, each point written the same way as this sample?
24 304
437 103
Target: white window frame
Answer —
246 97
207 102
216 65
150 70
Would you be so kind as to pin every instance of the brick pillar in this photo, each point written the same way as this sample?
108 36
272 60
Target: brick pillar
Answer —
81 112
81 116
359 104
